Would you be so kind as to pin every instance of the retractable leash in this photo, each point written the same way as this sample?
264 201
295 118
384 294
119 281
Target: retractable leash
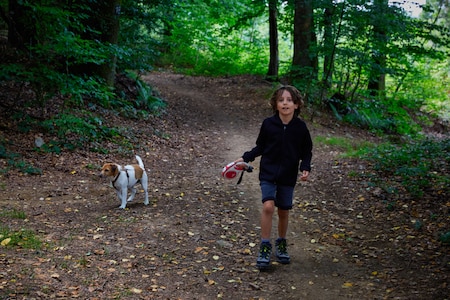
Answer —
233 169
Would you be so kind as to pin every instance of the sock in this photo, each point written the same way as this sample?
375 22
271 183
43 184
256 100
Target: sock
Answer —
267 241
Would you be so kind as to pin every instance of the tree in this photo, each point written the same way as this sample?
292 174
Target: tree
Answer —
21 24
109 26
331 35
273 40
380 28
101 24
305 60
328 43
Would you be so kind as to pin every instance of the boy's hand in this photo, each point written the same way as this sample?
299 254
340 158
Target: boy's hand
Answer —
304 176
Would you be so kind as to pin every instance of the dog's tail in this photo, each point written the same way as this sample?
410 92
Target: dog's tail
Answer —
139 160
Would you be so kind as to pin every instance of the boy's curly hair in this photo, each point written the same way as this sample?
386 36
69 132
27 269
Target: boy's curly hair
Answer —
295 94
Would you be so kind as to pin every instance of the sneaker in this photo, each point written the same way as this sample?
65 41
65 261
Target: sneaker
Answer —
281 251
263 260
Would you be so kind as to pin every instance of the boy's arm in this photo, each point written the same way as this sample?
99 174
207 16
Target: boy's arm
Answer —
305 165
257 150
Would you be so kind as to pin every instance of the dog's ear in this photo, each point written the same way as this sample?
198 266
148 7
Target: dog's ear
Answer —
114 170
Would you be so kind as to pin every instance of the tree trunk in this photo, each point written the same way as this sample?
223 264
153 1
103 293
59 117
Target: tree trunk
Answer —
328 43
272 73
110 32
377 75
104 20
305 62
21 28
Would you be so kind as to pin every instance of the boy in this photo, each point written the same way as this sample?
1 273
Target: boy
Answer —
283 142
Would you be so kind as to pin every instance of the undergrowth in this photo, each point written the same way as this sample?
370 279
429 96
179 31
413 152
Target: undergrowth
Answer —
350 147
80 122
419 167
14 161
22 238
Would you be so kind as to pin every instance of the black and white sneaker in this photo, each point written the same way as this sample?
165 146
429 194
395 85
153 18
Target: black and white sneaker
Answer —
263 261
281 251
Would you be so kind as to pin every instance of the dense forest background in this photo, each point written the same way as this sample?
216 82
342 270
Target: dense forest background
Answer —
376 59
369 63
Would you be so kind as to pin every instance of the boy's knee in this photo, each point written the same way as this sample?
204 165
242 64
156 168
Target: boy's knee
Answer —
269 206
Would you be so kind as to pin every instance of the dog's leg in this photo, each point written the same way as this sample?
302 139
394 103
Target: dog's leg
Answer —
133 193
123 198
119 195
146 196
144 183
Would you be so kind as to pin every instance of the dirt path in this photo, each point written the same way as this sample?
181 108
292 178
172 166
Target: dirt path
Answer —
198 238
316 272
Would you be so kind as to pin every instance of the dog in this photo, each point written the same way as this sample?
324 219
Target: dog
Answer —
124 178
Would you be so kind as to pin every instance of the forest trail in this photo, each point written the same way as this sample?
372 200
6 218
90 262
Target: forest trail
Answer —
235 113
198 238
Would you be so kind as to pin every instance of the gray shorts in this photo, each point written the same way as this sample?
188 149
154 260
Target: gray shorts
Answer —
282 195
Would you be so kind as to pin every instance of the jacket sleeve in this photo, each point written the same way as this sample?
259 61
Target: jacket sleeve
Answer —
306 154
258 149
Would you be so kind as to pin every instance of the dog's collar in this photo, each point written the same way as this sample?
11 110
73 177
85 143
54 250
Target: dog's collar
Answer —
117 177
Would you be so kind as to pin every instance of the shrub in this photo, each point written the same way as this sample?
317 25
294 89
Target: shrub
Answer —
418 167
75 131
13 161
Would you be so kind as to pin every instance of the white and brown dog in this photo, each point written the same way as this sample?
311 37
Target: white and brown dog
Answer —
124 178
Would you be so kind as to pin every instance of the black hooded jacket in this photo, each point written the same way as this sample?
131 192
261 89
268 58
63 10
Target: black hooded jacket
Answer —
282 147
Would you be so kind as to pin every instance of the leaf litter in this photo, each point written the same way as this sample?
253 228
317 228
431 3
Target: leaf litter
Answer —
199 237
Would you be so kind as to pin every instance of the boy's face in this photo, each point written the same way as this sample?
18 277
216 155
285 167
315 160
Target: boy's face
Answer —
285 105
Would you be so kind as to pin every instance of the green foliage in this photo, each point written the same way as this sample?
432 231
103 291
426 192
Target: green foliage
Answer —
78 89
23 238
418 168
216 42
51 66
13 161
230 37
351 146
380 115
445 238
75 131
59 47
15 214
146 99
424 90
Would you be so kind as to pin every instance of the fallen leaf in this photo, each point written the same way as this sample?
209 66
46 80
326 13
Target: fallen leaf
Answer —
347 285
136 291
5 242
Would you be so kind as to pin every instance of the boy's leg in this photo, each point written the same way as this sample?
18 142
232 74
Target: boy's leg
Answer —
268 192
265 249
281 243
283 222
266 219
284 204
